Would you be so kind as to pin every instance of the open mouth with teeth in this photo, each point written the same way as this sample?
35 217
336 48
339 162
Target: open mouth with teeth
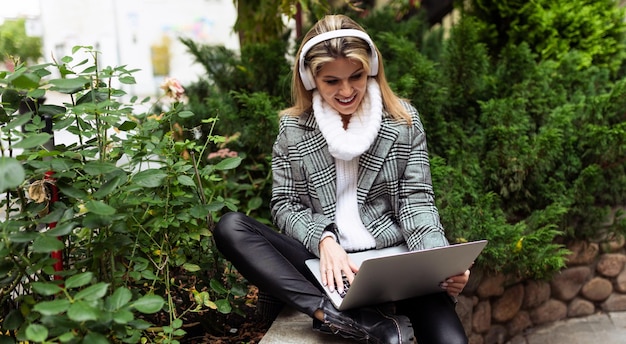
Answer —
346 101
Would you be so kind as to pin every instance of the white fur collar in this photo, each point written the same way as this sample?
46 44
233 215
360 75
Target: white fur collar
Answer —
362 129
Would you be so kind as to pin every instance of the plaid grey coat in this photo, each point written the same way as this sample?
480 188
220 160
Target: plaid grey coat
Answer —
394 189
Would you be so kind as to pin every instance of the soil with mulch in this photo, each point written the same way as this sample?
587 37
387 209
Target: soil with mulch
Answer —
229 330
216 328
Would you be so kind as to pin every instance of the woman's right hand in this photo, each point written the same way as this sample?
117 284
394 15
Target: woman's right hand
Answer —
334 262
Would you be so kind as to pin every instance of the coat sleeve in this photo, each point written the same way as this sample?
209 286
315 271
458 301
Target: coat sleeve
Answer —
291 205
418 215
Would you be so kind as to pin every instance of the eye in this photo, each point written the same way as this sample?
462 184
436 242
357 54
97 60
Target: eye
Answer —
331 81
356 76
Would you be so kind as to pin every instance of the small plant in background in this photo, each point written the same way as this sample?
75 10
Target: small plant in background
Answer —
108 238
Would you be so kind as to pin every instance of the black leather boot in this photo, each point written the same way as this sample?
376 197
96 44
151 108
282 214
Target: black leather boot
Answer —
368 324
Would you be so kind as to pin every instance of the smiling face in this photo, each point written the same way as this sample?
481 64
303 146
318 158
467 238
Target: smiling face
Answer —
342 83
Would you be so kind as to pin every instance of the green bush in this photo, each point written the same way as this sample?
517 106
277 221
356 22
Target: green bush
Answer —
524 125
247 90
129 207
529 146
525 146
554 28
527 150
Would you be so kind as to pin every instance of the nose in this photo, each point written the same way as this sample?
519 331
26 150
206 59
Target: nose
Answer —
345 88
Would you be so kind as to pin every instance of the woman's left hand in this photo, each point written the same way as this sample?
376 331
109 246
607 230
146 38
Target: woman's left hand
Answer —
454 285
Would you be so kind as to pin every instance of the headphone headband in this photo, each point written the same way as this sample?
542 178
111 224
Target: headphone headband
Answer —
307 76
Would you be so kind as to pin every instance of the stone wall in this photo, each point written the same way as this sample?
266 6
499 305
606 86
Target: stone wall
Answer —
498 309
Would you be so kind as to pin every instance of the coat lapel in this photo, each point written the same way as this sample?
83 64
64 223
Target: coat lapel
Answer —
371 162
319 164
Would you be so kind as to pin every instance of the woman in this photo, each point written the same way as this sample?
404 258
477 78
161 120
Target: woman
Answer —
350 173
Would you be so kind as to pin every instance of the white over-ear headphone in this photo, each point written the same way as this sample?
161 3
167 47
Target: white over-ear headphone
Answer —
305 73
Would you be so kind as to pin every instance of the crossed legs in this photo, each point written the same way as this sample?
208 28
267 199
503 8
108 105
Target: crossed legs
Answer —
275 264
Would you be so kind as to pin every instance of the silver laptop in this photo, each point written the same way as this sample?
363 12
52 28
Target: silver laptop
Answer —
394 273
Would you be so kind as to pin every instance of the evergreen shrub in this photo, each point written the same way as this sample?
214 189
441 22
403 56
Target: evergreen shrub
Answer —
527 147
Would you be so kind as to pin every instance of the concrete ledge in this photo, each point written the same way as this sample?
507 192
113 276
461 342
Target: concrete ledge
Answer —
293 327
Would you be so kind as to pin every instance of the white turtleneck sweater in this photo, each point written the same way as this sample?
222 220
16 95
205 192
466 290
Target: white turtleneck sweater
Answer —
346 146
353 235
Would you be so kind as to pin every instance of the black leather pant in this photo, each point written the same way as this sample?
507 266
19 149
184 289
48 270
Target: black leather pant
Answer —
275 264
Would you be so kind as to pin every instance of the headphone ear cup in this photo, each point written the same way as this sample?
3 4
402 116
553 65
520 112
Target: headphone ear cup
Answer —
307 79
373 62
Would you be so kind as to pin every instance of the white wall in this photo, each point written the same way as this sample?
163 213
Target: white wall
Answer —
124 31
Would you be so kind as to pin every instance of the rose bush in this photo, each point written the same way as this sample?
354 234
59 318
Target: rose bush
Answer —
107 239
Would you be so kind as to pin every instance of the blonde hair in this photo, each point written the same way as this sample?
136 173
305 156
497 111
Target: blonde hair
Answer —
327 51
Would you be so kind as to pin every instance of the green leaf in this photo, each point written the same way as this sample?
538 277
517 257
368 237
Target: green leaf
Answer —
179 333
177 323
61 230
255 203
12 98
81 311
4 118
127 125
92 220
26 81
46 244
96 168
140 324
120 297
79 280
109 186
46 288
71 191
228 163
186 180
67 337
191 267
50 109
11 174
92 97
33 140
53 216
13 320
23 237
72 85
129 80
100 208
36 333
36 93
149 178
53 307
19 121
239 290
217 286
123 316
223 306
92 293
149 304
185 114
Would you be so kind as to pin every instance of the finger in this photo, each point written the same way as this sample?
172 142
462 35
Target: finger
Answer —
339 280
452 289
352 270
330 277
323 276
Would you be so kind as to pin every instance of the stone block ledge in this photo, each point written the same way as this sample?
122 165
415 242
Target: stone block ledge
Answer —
293 327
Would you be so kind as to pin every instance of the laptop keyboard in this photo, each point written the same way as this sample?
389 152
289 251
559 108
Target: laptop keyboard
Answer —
346 285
